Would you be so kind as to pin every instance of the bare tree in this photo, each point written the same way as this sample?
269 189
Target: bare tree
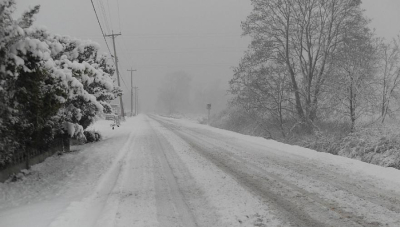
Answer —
389 76
262 89
302 36
354 70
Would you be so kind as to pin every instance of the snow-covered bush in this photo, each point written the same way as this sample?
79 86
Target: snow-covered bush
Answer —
30 96
379 145
74 131
238 120
94 86
45 81
92 136
319 141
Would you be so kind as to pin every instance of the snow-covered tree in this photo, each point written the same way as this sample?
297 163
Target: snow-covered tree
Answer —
30 96
93 72
46 81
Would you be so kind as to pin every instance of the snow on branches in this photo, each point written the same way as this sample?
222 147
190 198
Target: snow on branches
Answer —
47 80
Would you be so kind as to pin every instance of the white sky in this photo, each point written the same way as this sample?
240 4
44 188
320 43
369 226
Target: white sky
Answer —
200 37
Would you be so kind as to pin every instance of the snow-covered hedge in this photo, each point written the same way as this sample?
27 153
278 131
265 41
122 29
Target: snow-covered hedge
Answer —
47 80
379 145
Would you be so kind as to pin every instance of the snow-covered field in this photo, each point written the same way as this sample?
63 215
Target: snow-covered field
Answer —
156 171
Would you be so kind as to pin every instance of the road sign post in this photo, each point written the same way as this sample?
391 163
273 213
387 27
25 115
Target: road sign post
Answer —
208 108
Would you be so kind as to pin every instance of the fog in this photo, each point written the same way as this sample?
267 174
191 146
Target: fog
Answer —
199 39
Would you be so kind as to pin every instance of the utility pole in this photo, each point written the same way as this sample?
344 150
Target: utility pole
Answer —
132 70
136 100
116 67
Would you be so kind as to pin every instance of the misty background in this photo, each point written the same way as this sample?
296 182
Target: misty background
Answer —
193 43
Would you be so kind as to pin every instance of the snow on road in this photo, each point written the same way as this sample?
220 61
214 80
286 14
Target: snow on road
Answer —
155 171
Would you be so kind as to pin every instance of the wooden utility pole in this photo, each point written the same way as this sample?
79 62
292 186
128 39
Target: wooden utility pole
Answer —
116 67
132 70
136 100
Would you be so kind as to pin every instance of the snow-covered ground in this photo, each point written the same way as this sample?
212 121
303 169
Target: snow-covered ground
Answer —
52 185
156 171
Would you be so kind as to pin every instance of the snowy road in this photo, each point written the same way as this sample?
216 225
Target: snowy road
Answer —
155 171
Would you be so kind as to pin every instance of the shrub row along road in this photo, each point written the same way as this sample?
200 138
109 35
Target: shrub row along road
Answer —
172 172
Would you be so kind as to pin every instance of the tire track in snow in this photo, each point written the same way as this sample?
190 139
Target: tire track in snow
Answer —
88 212
222 201
256 185
171 204
195 199
137 206
352 197
294 203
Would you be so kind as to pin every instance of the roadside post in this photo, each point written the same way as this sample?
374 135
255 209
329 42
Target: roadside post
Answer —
208 108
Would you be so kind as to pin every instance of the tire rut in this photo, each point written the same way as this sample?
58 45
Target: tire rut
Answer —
171 205
365 190
294 204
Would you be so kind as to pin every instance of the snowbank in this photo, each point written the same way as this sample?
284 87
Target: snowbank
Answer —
383 175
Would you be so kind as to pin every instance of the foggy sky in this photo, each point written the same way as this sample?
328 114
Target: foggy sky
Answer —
199 37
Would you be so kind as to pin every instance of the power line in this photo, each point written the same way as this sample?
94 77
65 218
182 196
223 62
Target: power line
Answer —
102 15
122 38
106 23
123 60
119 18
190 48
102 32
180 65
120 28
177 35
109 13
124 82
109 20
183 52
105 40
223 34
183 66
124 52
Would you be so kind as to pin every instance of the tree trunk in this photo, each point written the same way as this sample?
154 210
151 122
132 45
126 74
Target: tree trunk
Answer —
352 108
299 108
